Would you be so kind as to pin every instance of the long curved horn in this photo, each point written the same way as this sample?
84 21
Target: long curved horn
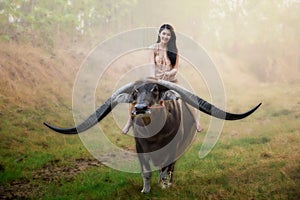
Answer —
120 96
203 105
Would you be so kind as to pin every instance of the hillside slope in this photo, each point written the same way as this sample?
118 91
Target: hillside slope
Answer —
31 76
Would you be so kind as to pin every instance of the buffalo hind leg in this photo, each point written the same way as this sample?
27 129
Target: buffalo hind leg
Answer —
165 176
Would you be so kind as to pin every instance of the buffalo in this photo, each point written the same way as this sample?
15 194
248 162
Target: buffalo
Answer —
163 123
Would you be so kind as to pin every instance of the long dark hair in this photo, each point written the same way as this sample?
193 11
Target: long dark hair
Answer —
171 46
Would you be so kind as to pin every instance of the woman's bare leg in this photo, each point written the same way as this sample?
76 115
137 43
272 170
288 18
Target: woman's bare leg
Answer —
127 126
198 125
129 121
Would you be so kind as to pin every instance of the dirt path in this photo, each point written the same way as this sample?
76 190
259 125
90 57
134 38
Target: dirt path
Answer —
50 172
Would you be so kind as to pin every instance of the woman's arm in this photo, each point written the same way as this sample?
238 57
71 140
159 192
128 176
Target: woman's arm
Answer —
174 71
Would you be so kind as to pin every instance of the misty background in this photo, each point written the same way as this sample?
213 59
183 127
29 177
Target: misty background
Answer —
260 38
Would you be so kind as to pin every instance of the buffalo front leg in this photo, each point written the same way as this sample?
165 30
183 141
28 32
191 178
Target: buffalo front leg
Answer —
146 178
146 172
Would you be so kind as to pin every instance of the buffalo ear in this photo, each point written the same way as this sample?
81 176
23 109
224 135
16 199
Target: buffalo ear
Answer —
155 91
170 95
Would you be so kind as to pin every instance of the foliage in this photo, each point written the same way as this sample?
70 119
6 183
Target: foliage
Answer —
267 21
46 19
235 26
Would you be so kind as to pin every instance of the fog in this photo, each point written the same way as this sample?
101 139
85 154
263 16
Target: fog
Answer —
258 37
247 40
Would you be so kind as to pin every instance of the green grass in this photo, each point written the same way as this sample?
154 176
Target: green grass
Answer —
256 158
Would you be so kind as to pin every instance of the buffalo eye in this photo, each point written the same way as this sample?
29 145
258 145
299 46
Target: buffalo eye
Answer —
134 94
155 91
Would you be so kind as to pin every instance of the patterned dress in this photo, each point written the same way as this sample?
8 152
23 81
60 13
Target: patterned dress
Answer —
162 65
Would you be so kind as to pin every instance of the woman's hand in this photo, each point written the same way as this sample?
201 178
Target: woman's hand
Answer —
171 73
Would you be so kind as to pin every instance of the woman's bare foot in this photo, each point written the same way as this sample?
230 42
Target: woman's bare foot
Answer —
127 126
199 127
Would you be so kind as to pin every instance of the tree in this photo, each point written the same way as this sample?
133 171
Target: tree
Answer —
45 19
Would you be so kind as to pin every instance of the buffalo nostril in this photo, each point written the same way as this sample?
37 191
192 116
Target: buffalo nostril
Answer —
140 107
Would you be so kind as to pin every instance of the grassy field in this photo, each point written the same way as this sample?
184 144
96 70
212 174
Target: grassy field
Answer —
255 158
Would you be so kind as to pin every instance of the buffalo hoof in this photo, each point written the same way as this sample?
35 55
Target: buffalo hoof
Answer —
165 185
145 191
146 186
